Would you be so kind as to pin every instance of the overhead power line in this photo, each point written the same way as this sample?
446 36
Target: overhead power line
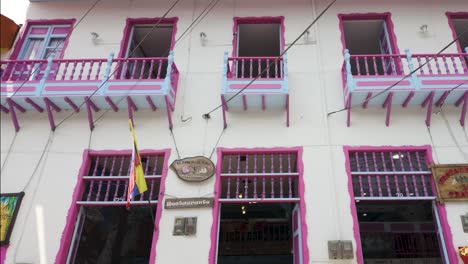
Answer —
207 115
404 77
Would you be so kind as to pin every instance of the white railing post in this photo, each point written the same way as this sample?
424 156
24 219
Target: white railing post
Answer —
170 60
108 66
225 70
349 75
414 78
48 67
285 73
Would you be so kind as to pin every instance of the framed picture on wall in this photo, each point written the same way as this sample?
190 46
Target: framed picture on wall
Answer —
9 207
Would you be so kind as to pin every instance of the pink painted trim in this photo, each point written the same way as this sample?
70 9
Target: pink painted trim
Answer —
162 188
370 16
130 22
300 168
441 82
3 251
257 20
381 83
214 226
456 15
67 234
29 23
71 88
448 239
256 86
352 205
132 87
14 89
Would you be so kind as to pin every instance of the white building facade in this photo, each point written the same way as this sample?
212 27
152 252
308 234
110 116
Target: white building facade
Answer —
291 172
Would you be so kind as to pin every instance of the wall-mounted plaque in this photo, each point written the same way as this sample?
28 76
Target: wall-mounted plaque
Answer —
451 182
185 226
179 203
9 207
194 169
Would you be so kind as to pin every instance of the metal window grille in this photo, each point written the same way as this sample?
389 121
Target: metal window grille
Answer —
107 180
399 174
260 176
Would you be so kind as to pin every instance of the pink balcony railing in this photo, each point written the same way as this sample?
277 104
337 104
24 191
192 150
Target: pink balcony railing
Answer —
84 69
107 182
262 177
67 83
388 65
253 67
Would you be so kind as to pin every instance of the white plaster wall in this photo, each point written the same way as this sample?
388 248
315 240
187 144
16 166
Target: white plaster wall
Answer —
315 89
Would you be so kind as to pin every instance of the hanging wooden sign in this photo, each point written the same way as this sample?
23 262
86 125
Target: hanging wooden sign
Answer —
193 169
451 182
9 207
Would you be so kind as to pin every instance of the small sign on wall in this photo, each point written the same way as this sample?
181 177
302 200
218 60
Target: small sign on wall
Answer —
451 182
194 169
9 207
185 226
180 203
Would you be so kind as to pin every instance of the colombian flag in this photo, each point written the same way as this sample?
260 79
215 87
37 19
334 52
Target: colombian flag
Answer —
137 182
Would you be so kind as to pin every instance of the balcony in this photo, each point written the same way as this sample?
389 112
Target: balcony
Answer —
266 79
443 80
97 84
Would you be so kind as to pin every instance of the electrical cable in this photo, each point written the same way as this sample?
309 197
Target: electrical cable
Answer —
8 153
41 173
175 144
120 63
55 48
207 115
217 142
403 78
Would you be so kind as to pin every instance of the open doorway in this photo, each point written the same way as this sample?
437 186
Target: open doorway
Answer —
147 44
260 233
370 40
259 208
459 24
398 232
259 42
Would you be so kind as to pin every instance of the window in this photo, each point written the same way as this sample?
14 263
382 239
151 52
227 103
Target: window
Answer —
260 208
396 214
371 42
43 40
104 230
257 44
147 38
38 42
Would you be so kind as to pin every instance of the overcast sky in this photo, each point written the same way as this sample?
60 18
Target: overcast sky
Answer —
14 9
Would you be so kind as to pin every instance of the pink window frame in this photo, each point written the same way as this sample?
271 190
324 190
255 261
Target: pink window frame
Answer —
46 22
67 233
217 193
130 22
370 16
257 20
448 240
456 15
